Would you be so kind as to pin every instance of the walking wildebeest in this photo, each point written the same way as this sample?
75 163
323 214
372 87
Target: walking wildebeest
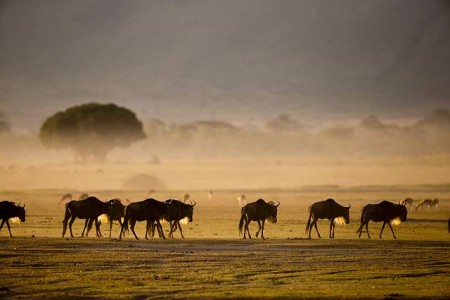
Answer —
385 211
90 209
10 210
179 212
115 213
149 210
327 209
258 211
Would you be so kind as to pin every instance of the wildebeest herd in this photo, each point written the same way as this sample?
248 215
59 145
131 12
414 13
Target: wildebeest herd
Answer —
175 212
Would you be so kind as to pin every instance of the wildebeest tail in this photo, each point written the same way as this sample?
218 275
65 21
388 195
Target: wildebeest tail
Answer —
68 213
362 220
309 220
241 222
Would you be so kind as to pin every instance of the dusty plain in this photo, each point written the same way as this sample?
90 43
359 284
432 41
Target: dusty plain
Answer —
213 261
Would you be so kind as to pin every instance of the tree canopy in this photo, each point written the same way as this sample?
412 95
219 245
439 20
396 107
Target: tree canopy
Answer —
91 130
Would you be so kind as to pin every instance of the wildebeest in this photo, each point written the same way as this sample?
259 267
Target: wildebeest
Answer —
258 211
408 202
10 210
327 209
115 213
428 203
178 212
149 210
386 212
90 209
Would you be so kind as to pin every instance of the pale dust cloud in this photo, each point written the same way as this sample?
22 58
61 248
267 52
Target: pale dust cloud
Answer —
279 153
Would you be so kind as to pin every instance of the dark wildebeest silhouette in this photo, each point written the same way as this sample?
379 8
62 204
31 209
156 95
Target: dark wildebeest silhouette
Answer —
90 209
115 213
10 210
386 212
327 209
149 210
258 211
179 212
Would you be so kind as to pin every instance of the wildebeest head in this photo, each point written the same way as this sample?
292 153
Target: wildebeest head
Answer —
347 214
272 210
190 210
403 213
20 211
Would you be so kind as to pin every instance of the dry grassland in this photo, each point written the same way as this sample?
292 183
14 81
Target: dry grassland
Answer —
214 262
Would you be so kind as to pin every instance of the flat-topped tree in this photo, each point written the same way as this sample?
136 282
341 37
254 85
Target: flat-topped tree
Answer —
91 130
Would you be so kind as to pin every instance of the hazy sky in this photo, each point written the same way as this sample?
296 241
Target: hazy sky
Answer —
230 60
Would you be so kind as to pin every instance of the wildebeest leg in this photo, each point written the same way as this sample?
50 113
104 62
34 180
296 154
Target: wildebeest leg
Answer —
392 230
89 226
132 223
9 228
359 231
98 232
160 230
70 225
85 226
315 226
123 227
97 229
259 227
64 226
367 229
331 228
247 222
1 225
262 230
177 223
147 229
121 224
173 227
309 230
110 225
382 228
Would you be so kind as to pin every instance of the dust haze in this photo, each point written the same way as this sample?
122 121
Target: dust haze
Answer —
282 152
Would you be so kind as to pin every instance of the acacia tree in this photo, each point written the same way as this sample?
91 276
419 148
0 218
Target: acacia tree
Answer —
91 130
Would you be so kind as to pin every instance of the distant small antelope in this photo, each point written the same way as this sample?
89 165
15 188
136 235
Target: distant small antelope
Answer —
186 197
242 200
69 197
428 203
210 195
407 202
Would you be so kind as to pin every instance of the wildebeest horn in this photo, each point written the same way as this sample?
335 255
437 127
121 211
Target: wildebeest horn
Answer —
193 204
277 204
349 205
